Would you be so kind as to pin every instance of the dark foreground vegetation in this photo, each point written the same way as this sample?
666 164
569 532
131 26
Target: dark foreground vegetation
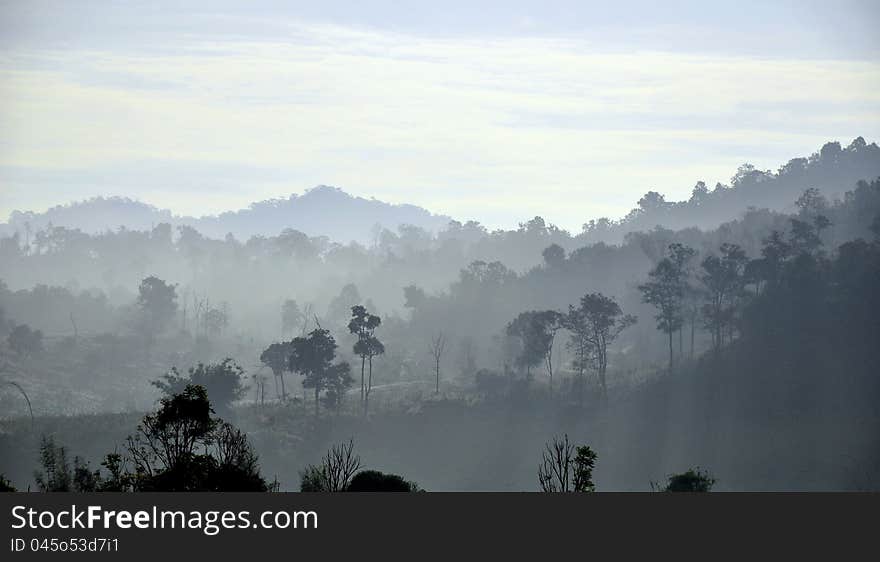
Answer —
748 349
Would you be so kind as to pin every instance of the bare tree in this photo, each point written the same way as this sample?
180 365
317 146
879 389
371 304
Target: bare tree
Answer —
566 467
338 466
231 448
341 464
438 346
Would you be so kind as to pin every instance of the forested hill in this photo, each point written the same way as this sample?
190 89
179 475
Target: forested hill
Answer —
341 217
833 170
321 211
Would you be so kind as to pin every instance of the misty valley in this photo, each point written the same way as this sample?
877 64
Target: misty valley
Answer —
330 343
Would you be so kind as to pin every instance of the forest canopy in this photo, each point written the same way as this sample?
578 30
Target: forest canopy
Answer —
747 311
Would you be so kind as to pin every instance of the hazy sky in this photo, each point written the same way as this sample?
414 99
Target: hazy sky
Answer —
496 111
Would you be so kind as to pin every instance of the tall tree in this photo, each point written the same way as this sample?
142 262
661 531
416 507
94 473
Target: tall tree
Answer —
336 384
806 235
550 322
535 331
438 346
604 321
724 281
665 290
277 358
157 302
312 357
526 331
579 344
682 256
766 270
363 325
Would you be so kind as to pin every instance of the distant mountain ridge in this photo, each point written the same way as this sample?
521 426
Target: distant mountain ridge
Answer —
341 217
320 211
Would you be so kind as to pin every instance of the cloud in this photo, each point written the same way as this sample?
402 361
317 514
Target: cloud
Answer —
495 129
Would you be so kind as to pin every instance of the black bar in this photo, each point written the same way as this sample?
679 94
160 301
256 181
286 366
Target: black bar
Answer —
463 525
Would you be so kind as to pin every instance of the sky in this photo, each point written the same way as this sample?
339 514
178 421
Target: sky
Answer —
492 111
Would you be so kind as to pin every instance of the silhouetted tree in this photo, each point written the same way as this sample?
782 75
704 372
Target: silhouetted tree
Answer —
335 472
58 476
167 440
536 332
337 382
532 347
724 281
118 479
6 485
805 235
665 290
554 255
312 357
699 193
438 346
579 343
277 358
682 256
549 322
234 463
222 381
768 268
694 480
363 325
55 475
182 447
376 481
604 321
566 467
157 302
